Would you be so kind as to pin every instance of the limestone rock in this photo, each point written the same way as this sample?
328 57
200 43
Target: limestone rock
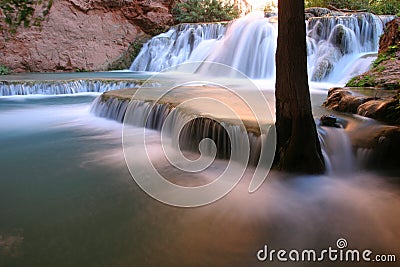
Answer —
342 100
386 109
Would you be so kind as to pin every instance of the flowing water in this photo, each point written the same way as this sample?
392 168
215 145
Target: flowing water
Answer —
68 199
249 43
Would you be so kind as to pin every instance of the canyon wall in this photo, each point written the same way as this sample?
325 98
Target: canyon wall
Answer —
83 34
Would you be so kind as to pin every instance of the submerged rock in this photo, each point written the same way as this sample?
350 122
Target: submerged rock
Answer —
327 56
323 68
332 121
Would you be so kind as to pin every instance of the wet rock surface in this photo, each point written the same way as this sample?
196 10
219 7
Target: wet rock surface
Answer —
377 146
385 108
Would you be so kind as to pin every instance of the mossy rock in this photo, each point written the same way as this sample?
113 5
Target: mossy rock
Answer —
362 81
125 60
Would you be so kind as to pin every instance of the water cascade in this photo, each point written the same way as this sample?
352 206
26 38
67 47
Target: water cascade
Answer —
337 42
175 46
8 88
337 150
249 45
153 116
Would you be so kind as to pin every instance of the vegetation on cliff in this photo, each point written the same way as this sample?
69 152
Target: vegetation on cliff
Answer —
76 34
204 11
4 70
373 6
125 60
23 12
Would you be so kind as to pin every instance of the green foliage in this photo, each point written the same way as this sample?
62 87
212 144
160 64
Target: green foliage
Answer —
380 68
4 70
126 58
385 6
81 70
389 54
375 6
362 81
380 59
204 11
23 12
343 4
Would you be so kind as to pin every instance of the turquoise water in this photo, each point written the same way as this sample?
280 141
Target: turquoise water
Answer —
67 199
54 76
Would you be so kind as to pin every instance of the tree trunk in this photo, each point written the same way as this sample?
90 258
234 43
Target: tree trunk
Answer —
298 148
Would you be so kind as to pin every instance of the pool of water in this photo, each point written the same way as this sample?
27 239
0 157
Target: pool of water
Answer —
67 199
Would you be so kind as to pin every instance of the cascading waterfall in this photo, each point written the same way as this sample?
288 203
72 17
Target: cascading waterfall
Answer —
249 45
175 46
112 108
153 116
334 43
9 88
337 150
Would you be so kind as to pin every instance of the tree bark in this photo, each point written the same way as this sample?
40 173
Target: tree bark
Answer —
298 148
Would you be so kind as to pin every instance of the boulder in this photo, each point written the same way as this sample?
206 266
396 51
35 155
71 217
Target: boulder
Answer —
340 99
385 108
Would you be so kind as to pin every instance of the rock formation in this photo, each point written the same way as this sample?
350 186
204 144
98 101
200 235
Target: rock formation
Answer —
83 34
382 106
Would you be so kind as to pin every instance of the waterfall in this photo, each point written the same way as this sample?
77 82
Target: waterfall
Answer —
249 44
111 108
336 149
8 88
189 129
175 46
339 41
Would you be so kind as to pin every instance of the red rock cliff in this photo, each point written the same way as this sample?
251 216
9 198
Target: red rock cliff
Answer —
83 34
